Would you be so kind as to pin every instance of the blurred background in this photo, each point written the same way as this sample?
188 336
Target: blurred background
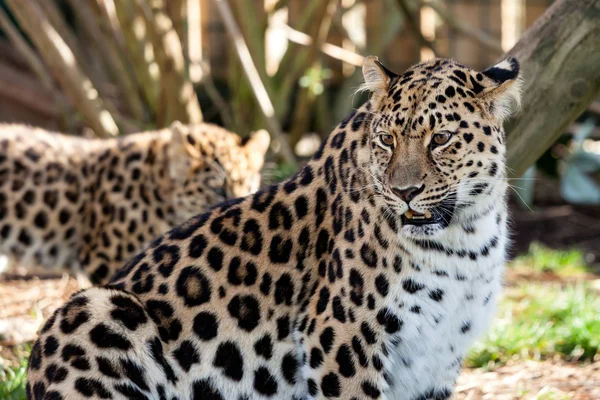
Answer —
103 68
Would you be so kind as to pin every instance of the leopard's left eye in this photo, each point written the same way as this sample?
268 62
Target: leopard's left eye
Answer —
387 140
440 139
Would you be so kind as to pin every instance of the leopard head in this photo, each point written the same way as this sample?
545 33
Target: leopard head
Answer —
437 145
209 164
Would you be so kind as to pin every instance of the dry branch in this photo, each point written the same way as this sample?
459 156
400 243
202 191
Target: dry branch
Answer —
258 89
414 24
89 21
560 58
179 96
140 51
36 65
463 27
62 62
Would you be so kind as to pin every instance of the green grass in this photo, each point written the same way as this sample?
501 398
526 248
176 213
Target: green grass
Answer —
12 381
568 263
542 319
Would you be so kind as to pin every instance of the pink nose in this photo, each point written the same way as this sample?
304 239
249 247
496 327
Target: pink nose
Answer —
409 193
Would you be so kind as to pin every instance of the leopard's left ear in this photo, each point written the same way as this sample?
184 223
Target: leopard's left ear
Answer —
502 87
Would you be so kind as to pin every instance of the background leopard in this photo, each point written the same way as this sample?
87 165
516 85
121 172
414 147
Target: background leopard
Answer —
365 276
89 205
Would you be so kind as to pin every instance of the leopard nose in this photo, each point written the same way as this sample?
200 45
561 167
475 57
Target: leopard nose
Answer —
408 193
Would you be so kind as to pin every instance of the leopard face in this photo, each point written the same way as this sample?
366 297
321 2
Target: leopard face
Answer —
437 144
211 166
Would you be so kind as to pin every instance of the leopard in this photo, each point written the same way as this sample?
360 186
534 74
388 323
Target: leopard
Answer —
85 206
366 275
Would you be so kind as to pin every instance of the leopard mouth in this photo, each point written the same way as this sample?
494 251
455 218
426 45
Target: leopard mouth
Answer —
442 214
412 217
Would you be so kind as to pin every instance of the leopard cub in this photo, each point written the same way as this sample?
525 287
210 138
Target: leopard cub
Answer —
89 204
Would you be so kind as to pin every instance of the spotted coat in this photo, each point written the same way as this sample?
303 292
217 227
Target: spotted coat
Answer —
365 276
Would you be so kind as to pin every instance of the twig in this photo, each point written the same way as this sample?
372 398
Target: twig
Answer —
62 61
36 65
448 16
215 97
333 51
258 89
413 23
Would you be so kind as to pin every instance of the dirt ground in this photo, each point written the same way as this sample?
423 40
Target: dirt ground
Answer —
26 303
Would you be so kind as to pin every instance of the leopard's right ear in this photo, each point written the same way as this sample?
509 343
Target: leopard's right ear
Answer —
377 76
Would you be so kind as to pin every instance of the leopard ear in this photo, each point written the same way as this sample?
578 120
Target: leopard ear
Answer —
182 154
377 76
257 145
502 87
180 141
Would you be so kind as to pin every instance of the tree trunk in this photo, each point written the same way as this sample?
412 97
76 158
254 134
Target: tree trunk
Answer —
560 60
62 62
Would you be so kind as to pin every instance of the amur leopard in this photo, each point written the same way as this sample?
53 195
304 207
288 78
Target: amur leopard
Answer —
89 205
365 276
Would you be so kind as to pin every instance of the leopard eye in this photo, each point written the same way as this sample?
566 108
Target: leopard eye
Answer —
440 139
386 139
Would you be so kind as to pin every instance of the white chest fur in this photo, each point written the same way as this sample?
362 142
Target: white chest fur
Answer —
445 298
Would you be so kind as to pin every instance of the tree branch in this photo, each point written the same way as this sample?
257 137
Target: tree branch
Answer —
62 61
258 89
414 25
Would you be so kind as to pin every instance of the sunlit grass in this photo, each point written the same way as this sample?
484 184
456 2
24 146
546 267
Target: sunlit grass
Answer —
12 379
541 319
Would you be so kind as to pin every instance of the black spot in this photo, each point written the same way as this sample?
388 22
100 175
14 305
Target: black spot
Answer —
301 207
91 387
481 146
283 327
166 257
193 286
107 368
450 92
437 294
50 346
252 240
204 390
75 355
323 300
368 255
205 325
306 176
264 347
313 389
330 385
229 358
237 275
41 220
389 320
468 137
370 390
56 374
280 250
316 358
339 312
382 285
280 216
264 382
265 285
105 338
215 258
411 286
74 315
368 333
246 310
326 339
128 312
289 366
197 246
345 361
